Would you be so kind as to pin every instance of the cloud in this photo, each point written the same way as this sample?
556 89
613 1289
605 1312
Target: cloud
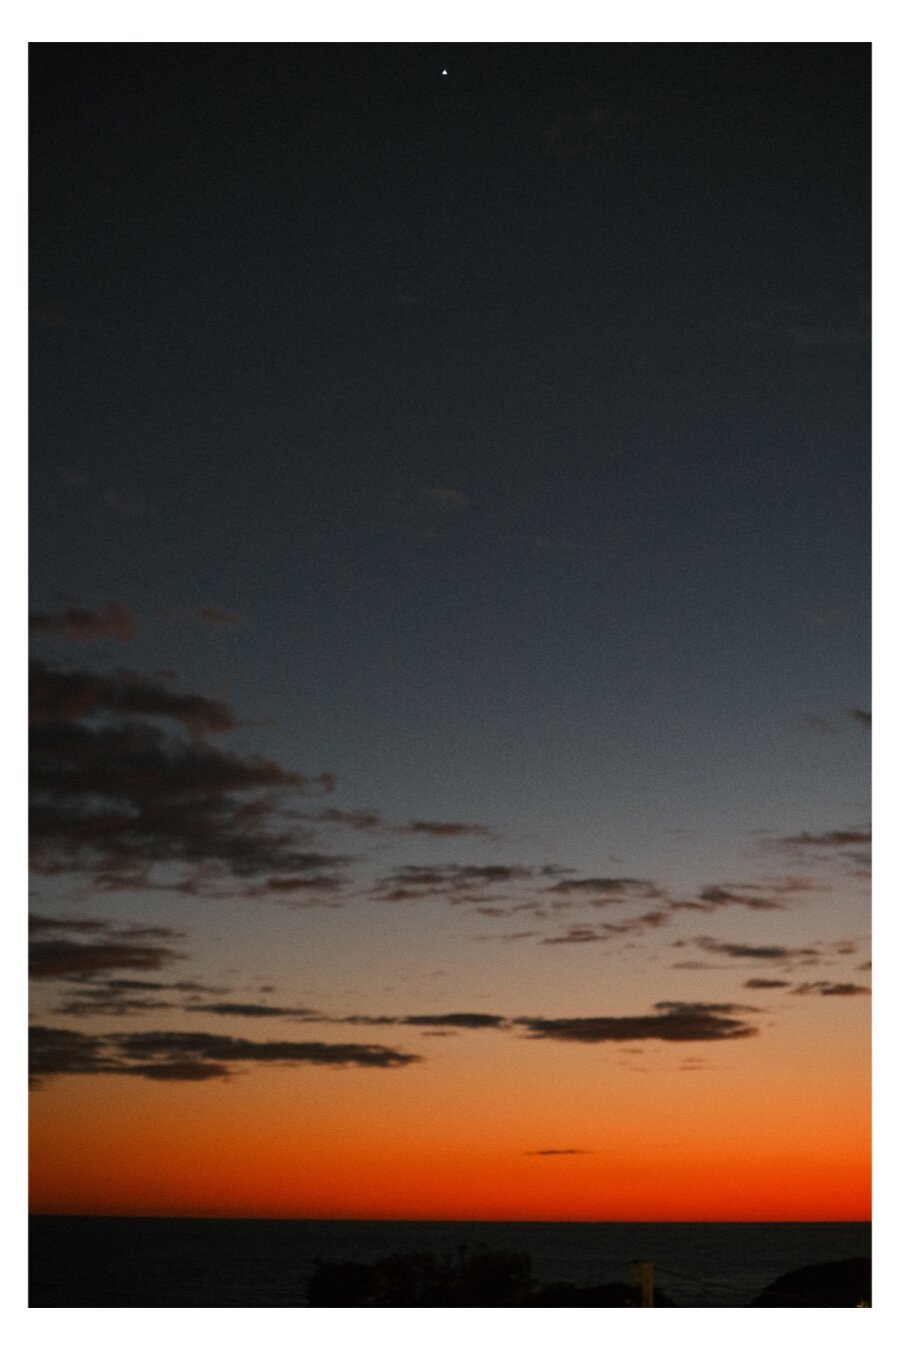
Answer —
87 996
720 897
351 820
313 892
461 1020
576 933
559 1153
604 932
446 829
39 923
608 890
135 947
250 1010
671 1022
448 496
829 839
71 695
58 958
89 1003
119 798
86 625
766 984
186 1056
860 715
753 952
454 882
826 988
843 848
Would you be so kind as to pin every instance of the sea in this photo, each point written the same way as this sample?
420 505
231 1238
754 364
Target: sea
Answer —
89 1262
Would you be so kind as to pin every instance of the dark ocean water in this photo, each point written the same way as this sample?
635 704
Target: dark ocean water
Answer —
265 1263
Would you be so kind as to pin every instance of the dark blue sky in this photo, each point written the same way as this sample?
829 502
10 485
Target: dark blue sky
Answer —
490 449
522 413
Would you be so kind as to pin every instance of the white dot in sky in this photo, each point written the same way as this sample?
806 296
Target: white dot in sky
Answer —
443 72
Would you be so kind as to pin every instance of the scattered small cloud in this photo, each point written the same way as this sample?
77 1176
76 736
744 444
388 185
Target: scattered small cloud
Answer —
766 984
826 988
849 847
455 882
608 890
446 829
860 715
78 624
749 951
559 1153
749 896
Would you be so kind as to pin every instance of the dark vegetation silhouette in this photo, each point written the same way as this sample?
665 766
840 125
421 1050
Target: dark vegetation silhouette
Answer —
503 1279
479 1279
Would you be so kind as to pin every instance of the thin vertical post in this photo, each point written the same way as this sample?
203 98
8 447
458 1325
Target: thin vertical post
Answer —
644 1277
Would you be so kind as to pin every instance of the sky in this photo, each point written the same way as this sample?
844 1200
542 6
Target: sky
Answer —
449 584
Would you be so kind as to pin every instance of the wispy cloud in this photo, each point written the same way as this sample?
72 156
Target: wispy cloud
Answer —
126 947
748 896
252 1010
72 695
87 996
608 890
850 847
446 829
828 988
456 882
559 1153
670 1022
188 1056
77 624
750 951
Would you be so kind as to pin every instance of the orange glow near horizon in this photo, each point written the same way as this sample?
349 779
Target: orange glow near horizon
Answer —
339 1144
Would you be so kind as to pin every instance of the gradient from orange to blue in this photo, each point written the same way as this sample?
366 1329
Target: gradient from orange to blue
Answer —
450 693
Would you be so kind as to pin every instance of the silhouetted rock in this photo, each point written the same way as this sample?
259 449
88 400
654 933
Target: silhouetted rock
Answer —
836 1284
